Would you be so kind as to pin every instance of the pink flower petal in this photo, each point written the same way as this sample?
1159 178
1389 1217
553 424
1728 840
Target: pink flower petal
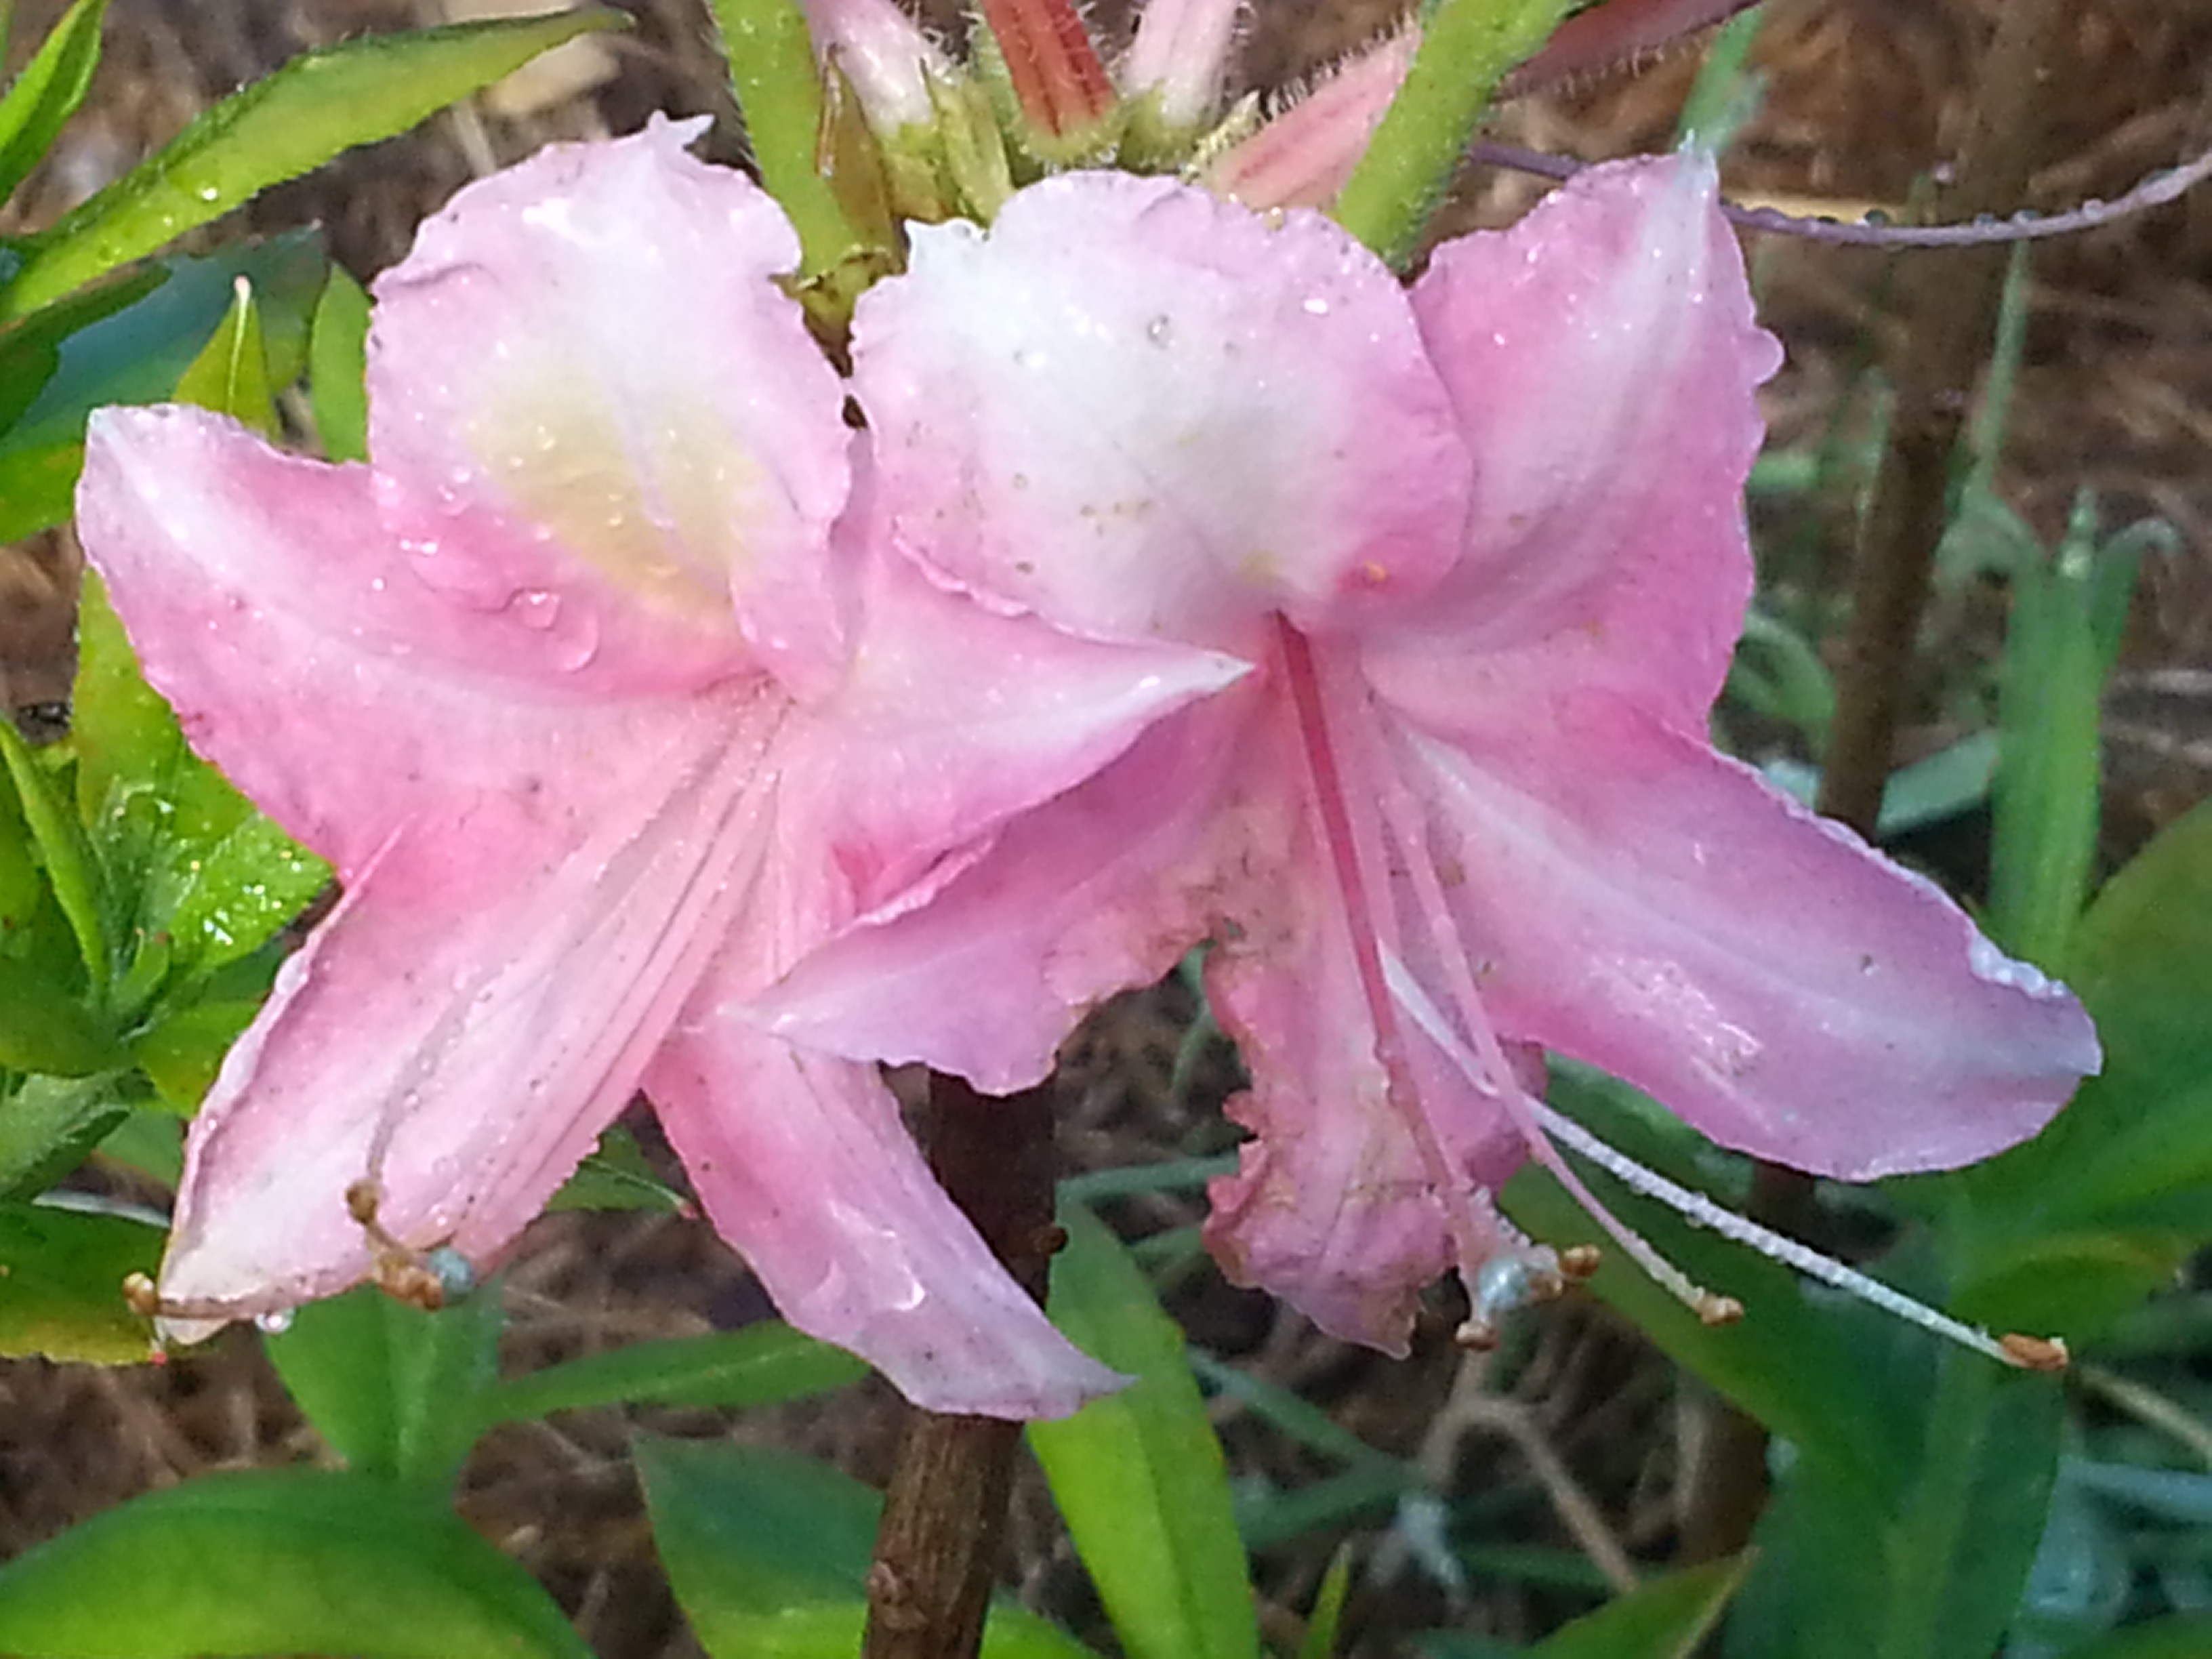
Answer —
1645 904
1142 412
482 1004
953 720
805 1167
1104 888
589 351
306 656
1600 355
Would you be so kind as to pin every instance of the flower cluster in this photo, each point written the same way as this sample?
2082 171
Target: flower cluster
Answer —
1189 579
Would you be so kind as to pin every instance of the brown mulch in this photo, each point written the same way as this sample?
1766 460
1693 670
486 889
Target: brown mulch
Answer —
1864 97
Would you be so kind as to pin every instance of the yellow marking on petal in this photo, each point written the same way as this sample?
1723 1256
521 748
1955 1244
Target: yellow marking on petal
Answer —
662 513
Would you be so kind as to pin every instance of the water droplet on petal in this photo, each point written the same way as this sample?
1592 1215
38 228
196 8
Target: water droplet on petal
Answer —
274 1322
538 609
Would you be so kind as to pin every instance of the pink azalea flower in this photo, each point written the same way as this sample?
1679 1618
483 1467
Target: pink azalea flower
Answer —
601 691
1482 546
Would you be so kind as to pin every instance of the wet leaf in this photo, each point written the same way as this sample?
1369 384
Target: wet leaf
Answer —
317 105
127 342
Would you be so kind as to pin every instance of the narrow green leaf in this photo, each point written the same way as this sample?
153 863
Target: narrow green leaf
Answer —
2047 800
231 376
337 367
1138 1476
767 1553
277 1561
48 91
127 342
1327 1615
393 1388
317 105
63 849
22 887
1666 1619
760 1365
61 1294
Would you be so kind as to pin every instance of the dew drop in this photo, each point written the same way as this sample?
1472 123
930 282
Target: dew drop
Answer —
538 609
211 192
1316 306
274 1322
1159 331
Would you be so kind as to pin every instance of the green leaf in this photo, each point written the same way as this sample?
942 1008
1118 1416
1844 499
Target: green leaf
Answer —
767 1553
1138 1474
273 1562
22 888
776 79
61 1294
1932 1566
2047 800
231 376
49 1126
44 1025
126 343
317 105
182 1050
337 369
393 1388
198 866
760 1365
1666 1619
617 1176
2120 1187
48 91
62 850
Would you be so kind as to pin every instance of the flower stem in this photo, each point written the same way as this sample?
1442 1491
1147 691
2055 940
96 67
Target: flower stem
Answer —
1950 304
937 1548
1466 47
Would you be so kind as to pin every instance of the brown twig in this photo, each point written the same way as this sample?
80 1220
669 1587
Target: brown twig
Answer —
937 1551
